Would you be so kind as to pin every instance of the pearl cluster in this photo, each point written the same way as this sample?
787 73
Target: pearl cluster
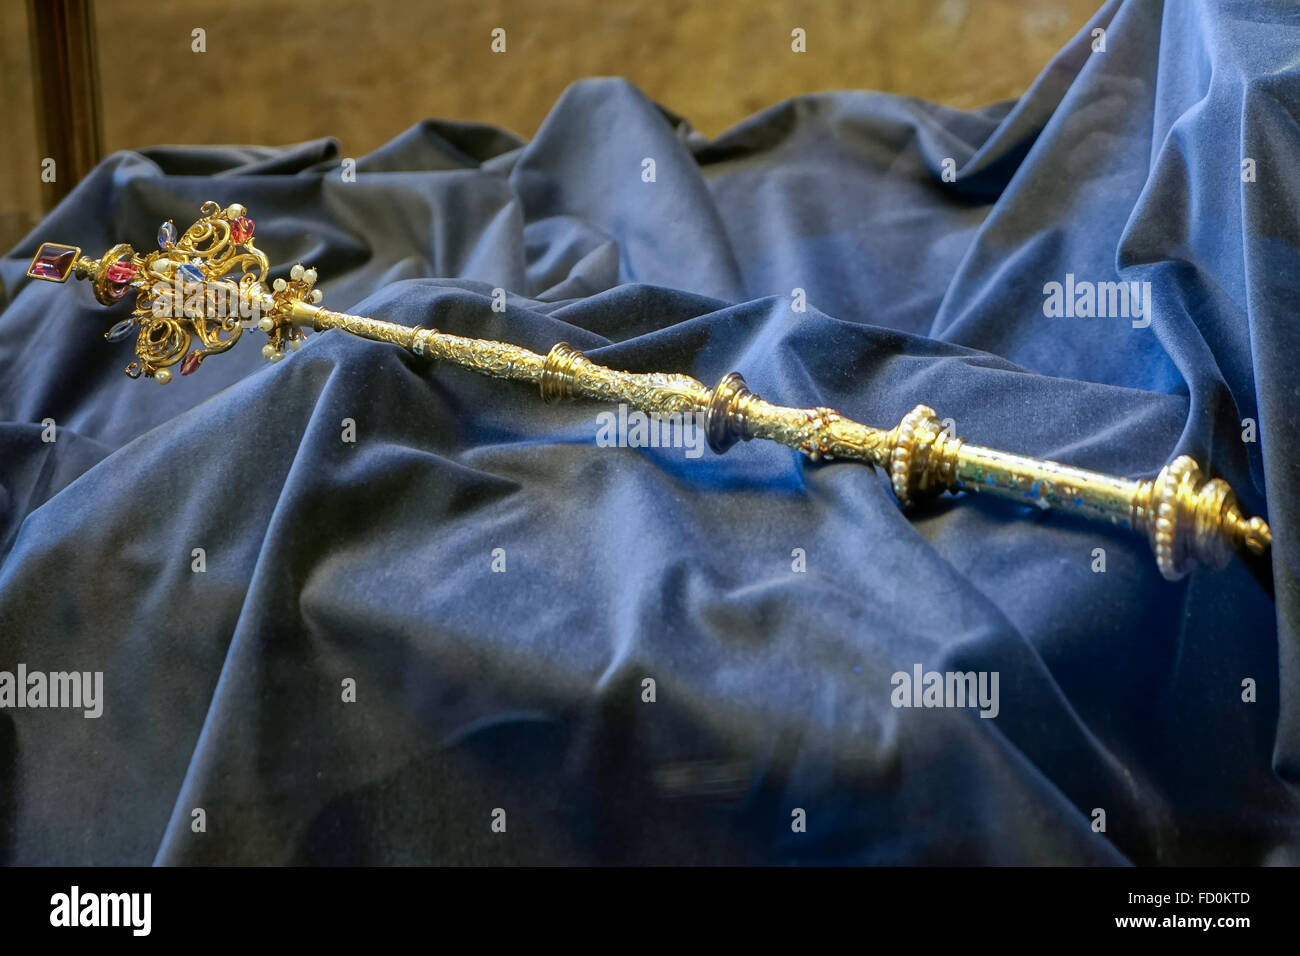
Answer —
298 286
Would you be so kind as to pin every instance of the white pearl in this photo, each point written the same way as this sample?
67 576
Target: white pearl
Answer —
163 376
316 295
279 285
235 210
163 265
277 356
295 344
296 273
309 277
268 351
265 323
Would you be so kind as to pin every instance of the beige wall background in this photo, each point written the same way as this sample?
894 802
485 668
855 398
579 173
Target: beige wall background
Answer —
281 71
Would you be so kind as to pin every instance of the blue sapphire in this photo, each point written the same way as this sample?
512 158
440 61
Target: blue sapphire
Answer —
122 330
190 272
167 234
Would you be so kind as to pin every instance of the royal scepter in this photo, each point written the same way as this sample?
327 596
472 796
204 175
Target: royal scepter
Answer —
199 291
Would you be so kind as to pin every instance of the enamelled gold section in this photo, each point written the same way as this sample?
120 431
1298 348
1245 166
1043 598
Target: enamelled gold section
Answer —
497 359
1046 484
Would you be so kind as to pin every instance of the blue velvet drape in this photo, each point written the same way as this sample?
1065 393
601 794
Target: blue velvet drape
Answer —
523 690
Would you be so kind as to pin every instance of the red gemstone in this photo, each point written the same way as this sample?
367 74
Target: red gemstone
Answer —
53 261
191 363
120 273
241 229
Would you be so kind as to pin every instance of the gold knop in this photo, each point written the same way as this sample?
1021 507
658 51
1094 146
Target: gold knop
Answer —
923 458
1191 521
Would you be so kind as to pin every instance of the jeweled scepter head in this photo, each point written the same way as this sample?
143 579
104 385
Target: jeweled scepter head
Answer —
194 295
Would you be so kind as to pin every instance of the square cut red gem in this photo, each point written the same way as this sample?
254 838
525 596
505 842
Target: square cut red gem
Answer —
53 262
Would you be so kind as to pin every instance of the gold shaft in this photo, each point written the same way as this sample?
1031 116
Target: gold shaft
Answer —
1187 519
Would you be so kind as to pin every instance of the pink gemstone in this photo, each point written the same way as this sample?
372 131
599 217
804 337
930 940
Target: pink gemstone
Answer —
120 273
191 363
241 229
53 261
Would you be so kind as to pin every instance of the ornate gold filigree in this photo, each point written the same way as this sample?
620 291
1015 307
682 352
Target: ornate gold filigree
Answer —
199 288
